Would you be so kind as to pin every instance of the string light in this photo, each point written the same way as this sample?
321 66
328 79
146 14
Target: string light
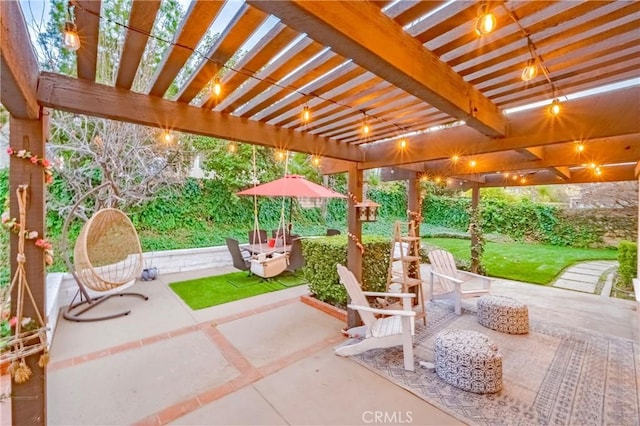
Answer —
366 128
216 88
530 71
403 143
580 147
248 73
306 114
280 155
472 163
486 21
555 108
167 137
71 40
455 158
315 160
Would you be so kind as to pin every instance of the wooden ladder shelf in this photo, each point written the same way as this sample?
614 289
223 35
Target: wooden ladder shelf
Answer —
405 247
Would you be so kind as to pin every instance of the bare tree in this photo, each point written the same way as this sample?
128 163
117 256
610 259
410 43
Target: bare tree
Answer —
136 160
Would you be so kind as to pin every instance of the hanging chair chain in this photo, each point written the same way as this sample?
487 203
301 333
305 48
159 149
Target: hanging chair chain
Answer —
18 342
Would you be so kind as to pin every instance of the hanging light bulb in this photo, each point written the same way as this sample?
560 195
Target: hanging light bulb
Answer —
486 21
71 40
306 114
555 108
472 163
366 128
216 87
232 147
315 160
580 147
280 155
167 137
455 158
530 71
403 143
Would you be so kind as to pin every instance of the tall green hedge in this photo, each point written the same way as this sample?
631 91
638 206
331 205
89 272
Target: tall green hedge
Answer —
522 220
628 260
322 254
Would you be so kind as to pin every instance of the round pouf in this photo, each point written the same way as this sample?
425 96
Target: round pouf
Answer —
503 314
468 360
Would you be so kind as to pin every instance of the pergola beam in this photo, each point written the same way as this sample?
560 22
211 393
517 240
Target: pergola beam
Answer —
360 31
85 97
87 19
599 116
18 64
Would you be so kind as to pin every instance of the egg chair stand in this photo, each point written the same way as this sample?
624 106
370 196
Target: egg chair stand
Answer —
100 264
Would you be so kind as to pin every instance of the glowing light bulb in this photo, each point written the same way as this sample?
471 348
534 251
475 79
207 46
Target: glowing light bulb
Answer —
598 171
580 147
530 71
280 155
71 39
438 179
555 108
403 143
232 148
506 174
167 137
216 87
523 180
366 129
472 163
424 178
455 158
306 114
486 21
315 160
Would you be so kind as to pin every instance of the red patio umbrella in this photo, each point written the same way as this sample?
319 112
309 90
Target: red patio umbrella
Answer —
292 186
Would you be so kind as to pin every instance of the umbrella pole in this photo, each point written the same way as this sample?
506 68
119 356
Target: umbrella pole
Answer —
290 210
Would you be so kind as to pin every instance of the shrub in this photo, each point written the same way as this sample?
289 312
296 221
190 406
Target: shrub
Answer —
627 258
322 254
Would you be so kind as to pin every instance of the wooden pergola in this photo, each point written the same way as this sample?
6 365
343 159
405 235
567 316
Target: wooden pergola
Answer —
406 67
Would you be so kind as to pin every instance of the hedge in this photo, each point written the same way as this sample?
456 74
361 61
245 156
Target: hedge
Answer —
627 258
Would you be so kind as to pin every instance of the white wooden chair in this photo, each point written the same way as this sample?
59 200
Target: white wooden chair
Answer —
456 285
393 330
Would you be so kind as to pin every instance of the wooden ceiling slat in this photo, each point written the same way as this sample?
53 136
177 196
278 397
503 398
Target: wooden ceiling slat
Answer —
382 47
335 89
521 11
560 39
18 67
314 69
463 16
82 96
199 16
243 24
273 42
88 22
273 73
517 39
598 116
419 9
143 15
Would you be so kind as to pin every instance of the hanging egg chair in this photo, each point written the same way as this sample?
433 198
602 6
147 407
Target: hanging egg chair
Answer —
107 253
107 259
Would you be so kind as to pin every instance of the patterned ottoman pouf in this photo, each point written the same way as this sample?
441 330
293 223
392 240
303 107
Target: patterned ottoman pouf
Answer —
503 314
468 360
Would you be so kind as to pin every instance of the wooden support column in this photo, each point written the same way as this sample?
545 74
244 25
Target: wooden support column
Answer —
354 226
473 230
28 400
415 212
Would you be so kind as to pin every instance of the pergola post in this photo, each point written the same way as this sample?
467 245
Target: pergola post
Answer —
473 229
354 226
28 400
415 212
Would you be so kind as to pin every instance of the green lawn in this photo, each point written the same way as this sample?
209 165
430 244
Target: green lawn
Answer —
533 263
215 290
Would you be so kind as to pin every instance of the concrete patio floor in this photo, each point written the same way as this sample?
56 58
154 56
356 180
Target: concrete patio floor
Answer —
263 360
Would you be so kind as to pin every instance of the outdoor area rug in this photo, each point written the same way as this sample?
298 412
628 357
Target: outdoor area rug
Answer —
553 375
202 293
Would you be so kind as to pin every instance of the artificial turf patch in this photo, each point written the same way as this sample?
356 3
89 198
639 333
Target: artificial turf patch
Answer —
211 291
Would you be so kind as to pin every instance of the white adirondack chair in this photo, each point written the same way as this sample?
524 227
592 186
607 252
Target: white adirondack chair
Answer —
456 285
393 330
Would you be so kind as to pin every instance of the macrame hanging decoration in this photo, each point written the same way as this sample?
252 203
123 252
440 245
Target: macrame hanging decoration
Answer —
16 347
